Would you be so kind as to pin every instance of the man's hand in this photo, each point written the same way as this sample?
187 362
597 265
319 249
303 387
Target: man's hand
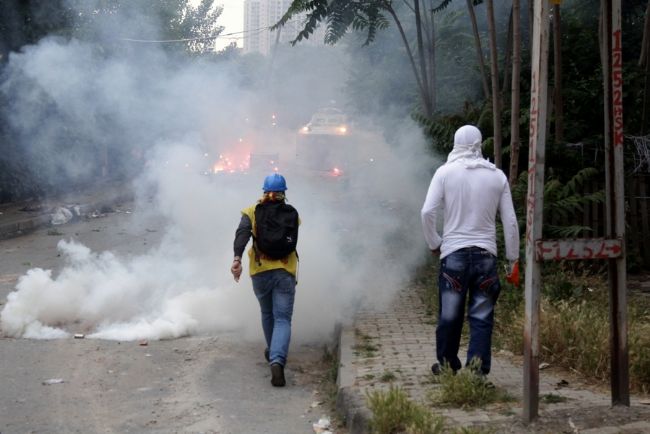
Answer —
512 272
435 252
235 269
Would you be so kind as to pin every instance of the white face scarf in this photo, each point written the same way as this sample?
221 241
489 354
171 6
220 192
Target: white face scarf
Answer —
467 149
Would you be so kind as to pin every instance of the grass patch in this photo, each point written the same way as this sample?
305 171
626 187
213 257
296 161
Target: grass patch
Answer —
54 232
474 430
394 412
552 398
574 325
465 388
364 346
387 377
328 382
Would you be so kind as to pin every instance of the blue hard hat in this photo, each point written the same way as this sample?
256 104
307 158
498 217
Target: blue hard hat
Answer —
275 182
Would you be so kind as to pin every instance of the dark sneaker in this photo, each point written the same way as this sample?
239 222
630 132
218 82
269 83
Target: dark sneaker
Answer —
436 369
266 355
277 375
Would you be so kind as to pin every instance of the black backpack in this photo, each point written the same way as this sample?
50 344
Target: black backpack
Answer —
276 229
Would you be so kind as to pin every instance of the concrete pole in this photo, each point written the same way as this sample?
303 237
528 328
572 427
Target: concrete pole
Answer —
535 203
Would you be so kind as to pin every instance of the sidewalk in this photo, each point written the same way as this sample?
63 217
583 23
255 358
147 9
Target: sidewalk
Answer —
20 218
404 338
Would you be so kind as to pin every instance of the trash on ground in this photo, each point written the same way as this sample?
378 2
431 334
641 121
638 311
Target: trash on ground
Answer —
79 336
315 404
562 383
573 426
95 214
144 343
645 402
322 426
544 365
53 381
61 216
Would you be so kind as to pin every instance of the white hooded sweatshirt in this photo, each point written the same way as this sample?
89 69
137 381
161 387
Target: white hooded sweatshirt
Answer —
471 190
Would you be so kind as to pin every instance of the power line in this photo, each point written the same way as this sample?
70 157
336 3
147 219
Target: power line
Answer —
202 38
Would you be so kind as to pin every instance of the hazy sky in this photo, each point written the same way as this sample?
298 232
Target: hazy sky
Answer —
232 18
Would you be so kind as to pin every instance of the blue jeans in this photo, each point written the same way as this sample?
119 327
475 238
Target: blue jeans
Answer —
275 290
472 271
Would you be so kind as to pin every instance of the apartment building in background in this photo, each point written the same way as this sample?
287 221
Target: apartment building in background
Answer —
259 15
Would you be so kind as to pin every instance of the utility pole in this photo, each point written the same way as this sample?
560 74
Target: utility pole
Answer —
615 197
535 204
611 248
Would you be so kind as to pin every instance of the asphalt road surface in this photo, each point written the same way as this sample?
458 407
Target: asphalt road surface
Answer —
208 384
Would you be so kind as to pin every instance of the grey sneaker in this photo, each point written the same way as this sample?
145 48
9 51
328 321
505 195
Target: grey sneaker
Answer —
277 375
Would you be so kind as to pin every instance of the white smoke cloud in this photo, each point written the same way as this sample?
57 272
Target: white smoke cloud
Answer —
359 240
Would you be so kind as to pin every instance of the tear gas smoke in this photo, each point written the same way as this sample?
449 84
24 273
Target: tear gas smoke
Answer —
359 239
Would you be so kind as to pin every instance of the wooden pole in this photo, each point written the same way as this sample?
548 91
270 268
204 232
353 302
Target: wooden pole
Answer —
535 203
615 212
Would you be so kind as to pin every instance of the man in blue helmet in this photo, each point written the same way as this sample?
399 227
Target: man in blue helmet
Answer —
273 260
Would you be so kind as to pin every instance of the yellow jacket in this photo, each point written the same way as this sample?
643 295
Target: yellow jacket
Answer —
262 263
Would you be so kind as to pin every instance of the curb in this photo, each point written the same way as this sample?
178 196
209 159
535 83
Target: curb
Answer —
31 223
22 227
350 403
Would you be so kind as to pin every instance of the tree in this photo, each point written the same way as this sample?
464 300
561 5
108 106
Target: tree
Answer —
370 15
194 27
496 95
515 142
98 24
479 50
644 60
557 74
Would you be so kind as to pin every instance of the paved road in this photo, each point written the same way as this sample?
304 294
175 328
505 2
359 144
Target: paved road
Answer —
211 383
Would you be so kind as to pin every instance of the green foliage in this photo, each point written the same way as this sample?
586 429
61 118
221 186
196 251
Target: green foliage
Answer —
364 346
441 129
444 3
552 398
393 412
574 325
562 201
465 388
27 169
340 15
387 377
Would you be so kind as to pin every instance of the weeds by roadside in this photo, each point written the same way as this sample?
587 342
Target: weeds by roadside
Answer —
394 412
465 388
364 346
574 325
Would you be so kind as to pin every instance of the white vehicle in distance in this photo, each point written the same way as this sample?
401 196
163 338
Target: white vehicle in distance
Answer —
325 145
329 120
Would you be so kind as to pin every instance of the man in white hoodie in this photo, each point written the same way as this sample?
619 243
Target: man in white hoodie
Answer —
468 190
